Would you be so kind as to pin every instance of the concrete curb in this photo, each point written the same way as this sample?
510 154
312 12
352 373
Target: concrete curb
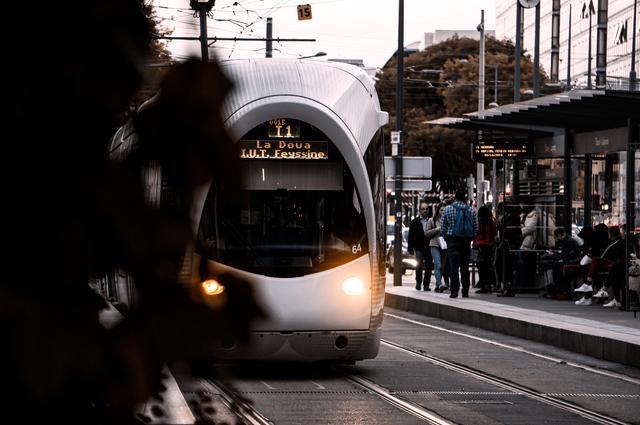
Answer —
171 402
573 337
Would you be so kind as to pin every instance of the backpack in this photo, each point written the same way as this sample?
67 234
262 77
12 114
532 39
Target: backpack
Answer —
463 226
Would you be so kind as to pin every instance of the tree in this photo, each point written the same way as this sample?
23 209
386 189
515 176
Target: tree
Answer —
440 81
157 65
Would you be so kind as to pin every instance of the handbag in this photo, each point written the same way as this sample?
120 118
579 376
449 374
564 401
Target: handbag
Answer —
634 268
442 243
475 256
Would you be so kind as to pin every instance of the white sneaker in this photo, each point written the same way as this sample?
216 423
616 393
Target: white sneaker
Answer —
583 301
601 294
612 304
584 288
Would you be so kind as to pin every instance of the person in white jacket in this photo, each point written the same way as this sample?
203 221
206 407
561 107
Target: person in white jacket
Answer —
526 270
437 252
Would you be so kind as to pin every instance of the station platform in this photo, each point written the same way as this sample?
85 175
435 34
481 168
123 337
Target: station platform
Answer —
603 333
168 407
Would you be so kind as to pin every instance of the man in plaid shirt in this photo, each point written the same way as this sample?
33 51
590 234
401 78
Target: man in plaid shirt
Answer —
458 248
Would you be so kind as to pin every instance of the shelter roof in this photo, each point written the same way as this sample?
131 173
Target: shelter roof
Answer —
580 110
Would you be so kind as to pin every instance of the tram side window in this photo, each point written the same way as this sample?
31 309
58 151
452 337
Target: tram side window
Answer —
374 160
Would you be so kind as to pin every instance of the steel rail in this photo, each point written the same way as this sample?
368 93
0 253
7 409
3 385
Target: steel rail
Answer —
236 404
516 388
412 408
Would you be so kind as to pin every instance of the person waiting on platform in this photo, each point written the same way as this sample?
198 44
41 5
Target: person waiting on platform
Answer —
510 238
485 241
612 255
526 266
418 243
438 252
564 264
459 225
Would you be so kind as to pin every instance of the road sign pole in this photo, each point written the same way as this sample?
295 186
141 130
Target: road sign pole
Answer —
397 244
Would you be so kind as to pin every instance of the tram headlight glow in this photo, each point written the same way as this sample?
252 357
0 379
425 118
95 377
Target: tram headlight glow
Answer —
353 286
411 261
211 287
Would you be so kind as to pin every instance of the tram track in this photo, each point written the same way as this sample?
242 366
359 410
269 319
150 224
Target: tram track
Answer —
236 404
553 359
247 413
510 386
411 408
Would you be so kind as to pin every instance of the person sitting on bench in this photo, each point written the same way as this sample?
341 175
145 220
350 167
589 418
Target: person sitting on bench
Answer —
612 255
563 264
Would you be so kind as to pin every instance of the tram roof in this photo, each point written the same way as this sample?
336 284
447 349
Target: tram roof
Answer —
346 90
579 110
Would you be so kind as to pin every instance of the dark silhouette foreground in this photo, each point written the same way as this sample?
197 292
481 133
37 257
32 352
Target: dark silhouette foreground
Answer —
70 215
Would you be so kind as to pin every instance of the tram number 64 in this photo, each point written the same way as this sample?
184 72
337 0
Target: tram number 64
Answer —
356 249
304 12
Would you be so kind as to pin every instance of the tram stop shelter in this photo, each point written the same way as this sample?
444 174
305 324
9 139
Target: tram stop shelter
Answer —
595 132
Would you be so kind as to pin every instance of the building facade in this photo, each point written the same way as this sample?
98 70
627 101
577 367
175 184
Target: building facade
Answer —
575 15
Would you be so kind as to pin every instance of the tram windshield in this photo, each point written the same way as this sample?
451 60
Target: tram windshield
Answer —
293 217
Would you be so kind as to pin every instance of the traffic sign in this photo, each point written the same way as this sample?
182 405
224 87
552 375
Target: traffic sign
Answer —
304 12
412 166
407 185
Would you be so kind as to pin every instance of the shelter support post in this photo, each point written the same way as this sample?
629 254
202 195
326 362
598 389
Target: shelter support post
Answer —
515 187
588 189
633 144
568 186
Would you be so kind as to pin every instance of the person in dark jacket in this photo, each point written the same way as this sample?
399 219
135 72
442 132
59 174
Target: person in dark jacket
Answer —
418 244
564 264
510 239
599 240
612 260
484 241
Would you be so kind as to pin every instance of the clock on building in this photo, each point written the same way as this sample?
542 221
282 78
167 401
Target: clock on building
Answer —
528 4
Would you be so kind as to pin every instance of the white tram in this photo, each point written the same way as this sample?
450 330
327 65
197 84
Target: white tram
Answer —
309 227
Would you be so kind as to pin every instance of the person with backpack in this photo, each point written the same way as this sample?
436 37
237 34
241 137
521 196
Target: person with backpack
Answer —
459 225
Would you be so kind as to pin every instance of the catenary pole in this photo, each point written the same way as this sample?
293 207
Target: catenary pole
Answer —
516 73
589 87
569 53
269 46
481 78
481 64
555 41
202 12
601 44
632 73
536 54
397 244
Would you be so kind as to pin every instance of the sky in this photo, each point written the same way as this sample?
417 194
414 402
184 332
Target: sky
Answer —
343 29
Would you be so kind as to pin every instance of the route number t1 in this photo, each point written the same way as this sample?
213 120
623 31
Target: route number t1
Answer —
304 12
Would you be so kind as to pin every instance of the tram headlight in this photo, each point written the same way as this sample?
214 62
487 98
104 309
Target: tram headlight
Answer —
211 287
353 286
